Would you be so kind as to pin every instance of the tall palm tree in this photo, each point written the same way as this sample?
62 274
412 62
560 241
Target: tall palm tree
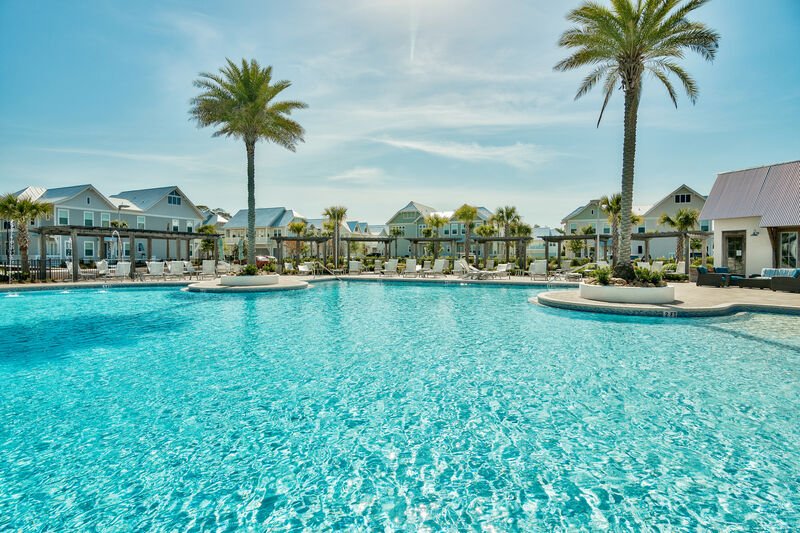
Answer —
622 44
505 216
466 214
336 215
298 227
240 103
436 222
22 212
685 219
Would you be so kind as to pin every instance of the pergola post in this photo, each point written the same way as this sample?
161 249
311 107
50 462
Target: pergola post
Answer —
647 249
132 255
704 251
189 249
686 250
42 256
150 248
279 251
75 268
347 245
547 252
558 251
216 252
167 254
605 250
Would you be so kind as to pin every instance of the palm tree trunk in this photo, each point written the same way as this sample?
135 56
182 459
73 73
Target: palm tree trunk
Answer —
506 244
466 244
628 158
679 251
23 241
251 202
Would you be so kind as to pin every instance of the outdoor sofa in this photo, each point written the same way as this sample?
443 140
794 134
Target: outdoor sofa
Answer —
721 277
777 279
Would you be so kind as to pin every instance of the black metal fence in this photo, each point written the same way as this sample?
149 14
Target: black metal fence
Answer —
54 270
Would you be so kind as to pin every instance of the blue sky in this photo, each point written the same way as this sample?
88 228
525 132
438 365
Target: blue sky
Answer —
437 101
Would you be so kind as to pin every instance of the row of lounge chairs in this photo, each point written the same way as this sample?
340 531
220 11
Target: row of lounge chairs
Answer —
155 269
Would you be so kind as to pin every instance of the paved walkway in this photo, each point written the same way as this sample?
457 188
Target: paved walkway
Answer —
691 300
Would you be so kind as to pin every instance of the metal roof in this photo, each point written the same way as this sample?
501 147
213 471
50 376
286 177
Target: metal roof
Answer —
771 192
144 199
266 217
61 194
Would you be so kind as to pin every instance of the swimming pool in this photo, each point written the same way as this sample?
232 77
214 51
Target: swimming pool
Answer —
385 406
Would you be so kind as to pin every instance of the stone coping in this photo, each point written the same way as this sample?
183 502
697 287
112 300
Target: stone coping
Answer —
60 286
691 301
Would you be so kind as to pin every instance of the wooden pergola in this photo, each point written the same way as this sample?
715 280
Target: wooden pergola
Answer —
645 237
516 240
415 241
318 239
386 240
131 234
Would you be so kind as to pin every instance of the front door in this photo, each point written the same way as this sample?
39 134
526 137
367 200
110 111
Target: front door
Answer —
734 252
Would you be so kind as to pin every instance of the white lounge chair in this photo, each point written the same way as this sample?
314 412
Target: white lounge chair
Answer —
377 267
538 269
223 267
489 264
643 264
305 269
190 270
82 274
288 267
426 267
391 268
602 264
209 268
122 271
437 270
102 268
657 266
176 269
458 267
411 268
470 272
503 271
155 269
354 267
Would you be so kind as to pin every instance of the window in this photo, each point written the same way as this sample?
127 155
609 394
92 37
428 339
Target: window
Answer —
573 228
88 248
447 231
68 247
788 249
639 250
88 200
105 220
640 229
683 198
176 224
63 217
174 198
140 222
126 249
704 225
606 230
189 226
88 218
140 247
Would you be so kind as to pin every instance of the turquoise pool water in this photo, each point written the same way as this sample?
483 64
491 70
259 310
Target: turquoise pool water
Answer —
375 406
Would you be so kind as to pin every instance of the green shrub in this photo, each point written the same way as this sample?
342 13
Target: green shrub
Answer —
603 275
249 270
673 276
645 275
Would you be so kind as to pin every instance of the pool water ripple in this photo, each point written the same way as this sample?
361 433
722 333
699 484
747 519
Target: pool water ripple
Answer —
370 406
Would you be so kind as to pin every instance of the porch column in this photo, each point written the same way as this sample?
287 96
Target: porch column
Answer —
132 256
42 256
75 271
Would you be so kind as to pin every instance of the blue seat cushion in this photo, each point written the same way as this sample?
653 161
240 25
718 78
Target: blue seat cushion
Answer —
780 272
702 270
721 270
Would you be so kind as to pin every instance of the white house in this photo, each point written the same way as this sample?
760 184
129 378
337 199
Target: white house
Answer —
270 222
755 216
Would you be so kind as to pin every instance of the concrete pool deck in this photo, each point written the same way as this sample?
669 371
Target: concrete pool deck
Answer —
691 300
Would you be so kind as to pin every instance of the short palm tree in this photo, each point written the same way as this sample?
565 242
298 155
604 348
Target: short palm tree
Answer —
586 230
336 215
298 227
436 222
207 244
395 232
504 217
486 230
612 207
466 214
521 229
685 219
22 212
240 103
624 43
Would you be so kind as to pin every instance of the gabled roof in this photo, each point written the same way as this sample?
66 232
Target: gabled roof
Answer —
771 192
63 194
266 217
647 212
145 199
30 193
423 210
577 210
377 229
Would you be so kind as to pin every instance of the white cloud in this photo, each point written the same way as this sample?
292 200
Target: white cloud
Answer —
519 155
360 175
